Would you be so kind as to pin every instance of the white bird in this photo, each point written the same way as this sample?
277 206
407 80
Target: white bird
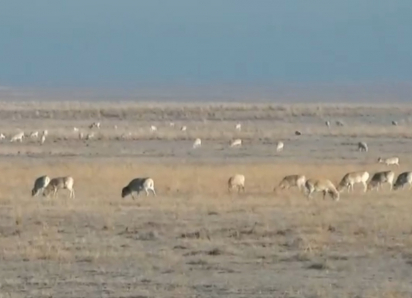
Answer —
75 129
238 126
279 146
153 128
2 136
327 123
197 143
171 124
183 128
45 132
236 143
43 139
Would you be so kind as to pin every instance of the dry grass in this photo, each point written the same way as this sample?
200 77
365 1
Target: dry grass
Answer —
194 239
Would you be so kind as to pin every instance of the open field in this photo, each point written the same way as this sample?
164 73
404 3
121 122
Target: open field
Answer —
194 239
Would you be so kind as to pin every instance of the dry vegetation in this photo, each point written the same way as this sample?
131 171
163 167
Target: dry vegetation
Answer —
194 239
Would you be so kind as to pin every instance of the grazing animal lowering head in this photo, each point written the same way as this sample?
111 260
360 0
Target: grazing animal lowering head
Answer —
126 191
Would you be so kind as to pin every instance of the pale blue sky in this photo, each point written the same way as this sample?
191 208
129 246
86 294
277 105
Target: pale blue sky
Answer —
126 43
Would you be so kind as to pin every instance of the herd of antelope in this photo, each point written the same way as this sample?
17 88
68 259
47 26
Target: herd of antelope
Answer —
46 185
309 186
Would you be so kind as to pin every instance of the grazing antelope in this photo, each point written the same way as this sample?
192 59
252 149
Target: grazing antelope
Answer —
381 177
137 184
197 143
238 126
58 183
238 181
34 134
402 180
236 143
323 185
362 146
389 161
292 181
94 124
89 136
17 137
279 146
39 185
352 178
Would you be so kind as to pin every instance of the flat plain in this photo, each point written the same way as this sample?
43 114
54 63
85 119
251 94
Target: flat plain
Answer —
194 239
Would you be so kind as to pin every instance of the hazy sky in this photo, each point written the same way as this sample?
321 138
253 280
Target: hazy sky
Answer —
127 42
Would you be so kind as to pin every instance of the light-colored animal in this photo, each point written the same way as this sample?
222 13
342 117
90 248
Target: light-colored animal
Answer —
292 181
34 134
2 136
362 146
17 137
183 128
94 124
45 132
39 185
58 183
279 146
389 161
75 129
171 124
89 136
321 185
43 139
238 126
238 181
352 178
153 128
236 143
395 123
197 143
403 179
327 123
137 185
381 177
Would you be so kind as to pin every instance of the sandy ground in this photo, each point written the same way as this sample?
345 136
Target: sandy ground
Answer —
194 239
